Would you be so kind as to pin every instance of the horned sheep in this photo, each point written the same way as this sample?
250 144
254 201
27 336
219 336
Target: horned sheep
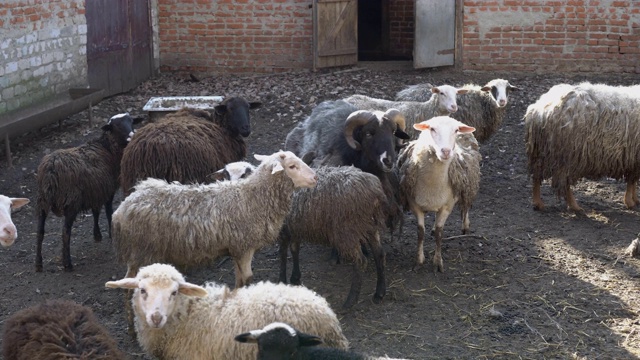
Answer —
179 320
57 329
482 107
81 178
189 145
280 341
346 210
436 171
8 231
442 102
583 131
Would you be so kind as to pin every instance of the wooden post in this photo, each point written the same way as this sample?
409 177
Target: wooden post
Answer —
6 140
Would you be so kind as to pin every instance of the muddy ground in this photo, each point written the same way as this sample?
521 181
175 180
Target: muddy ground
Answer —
525 284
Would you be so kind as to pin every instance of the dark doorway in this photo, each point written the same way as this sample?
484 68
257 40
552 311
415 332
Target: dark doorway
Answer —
385 30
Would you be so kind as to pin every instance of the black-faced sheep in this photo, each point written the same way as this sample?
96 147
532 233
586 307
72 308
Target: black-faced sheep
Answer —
584 131
482 107
8 231
442 102
346 210
81 178
280 341
429 181
57 330
188 145
177 320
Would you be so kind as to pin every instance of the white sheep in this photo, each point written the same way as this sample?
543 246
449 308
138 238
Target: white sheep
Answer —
584 131
8 232
427 182
178 320
442 102
482 107
280 341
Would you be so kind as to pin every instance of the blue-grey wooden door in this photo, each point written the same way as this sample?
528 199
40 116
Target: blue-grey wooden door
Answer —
434 40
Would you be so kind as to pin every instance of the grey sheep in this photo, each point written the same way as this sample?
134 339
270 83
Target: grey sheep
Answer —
57 330
441 102
81 178
436 171
345 210
583 131
189 145
482 107
281 341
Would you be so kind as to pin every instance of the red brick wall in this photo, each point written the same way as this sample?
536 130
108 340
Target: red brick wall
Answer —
235 35
552 35
401 17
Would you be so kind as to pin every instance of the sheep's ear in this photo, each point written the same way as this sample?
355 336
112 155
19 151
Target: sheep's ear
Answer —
106 127
192 290
17 203
138 119
260 158
277 168
511 87
220 109
466 129
421 126
126 283
462 91
254 105
220 175
435 90
246 338
401 134
308 340
485 88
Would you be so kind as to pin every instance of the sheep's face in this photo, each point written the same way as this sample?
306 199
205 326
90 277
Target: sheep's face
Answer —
299 172
235 112
278 341
121 127
440 133
8 232
447 98
233 171
500 90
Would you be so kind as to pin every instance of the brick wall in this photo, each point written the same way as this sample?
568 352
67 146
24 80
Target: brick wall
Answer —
236 35
552 35
42 50
401 19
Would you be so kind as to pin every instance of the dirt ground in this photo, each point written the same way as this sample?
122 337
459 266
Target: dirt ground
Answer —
525 284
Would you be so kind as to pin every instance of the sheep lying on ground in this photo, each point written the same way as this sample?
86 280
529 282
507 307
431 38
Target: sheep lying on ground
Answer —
8 232
345 210
482 107
442 102
188 145
178 320
233 171
280 341
81 178
584 131
57 329
429 181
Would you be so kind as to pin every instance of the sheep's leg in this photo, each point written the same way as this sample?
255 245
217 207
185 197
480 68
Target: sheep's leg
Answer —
97 235
108 210
630 198
42 218
537 199
285 240
69 218
378 258
635 192
571 200
465 221
356 286
244 274
420 220
296 276
441 218
128 295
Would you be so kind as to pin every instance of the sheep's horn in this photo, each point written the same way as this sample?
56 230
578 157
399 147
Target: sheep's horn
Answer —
397 117
355 119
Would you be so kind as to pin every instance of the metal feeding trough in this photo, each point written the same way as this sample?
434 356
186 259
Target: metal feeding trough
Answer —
160 106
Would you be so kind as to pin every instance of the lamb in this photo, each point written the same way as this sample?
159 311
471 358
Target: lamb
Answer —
189 145
233 171
442 102
57 329
178 320
583 131
193 224
81 178
280 341
8 232
345 210
482 107
436 171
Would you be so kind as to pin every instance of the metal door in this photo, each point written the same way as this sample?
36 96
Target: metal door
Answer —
434 40
119 53
335 33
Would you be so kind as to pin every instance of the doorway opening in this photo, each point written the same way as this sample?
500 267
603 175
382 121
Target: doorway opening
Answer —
385 30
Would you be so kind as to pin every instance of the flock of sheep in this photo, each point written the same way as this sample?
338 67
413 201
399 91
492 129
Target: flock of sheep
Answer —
349 171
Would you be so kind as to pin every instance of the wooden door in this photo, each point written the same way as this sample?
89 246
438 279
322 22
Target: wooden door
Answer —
335 33
119 52
434 39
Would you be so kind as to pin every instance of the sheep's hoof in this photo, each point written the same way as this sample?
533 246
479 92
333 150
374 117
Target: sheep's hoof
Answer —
538 207
38 268
97 238
68 268
577 209
377 299
417 267
465 231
